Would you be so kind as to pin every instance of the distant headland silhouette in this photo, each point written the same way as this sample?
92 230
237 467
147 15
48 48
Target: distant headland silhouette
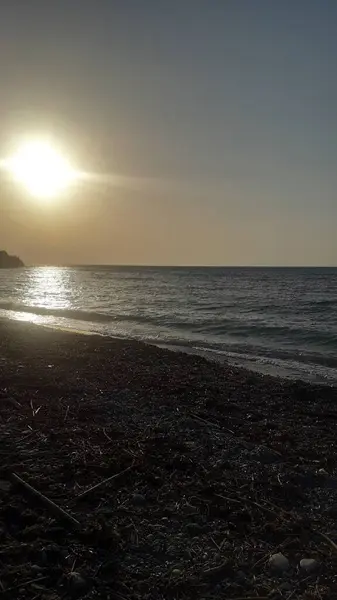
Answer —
9 262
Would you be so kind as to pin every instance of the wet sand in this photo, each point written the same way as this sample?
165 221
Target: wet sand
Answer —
217 469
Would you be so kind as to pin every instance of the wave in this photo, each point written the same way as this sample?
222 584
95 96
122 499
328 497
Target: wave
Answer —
81 315
306 349
230 329
90 316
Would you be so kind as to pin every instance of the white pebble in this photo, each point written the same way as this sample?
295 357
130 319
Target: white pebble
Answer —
309 565
278 563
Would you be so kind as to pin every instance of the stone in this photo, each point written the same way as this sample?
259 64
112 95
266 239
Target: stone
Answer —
286 586
241 577
176 572
193 529
5 486
219 572
43 558
78 586
36 569
267 456
138 499
309 565
278 563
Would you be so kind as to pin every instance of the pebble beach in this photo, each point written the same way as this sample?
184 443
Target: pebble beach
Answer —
130 472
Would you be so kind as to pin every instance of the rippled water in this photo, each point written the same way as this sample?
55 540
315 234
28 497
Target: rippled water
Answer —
278 320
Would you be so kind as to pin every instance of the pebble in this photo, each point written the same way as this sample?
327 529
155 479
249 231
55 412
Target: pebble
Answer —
286 587
267 456
43 557
279 563
241 577
194 529
5 486
176 572
309 565
77 584
138 499
36 568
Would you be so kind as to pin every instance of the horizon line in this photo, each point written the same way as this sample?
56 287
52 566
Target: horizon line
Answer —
185 266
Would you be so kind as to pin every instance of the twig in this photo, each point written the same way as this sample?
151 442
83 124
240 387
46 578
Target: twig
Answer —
218 571
243 500
95 487
53 507
107 436
267 556
250 598
215 544
34 410
327 539
73 567
298 585
204 422
24 584
229 499
65 416
210 424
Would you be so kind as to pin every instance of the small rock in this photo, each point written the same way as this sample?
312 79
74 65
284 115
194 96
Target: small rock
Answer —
176 572
42 558
309 565
220 572
241 577
36 569
138 499
278 563
267 456
78 586
5 486
194 529
286 587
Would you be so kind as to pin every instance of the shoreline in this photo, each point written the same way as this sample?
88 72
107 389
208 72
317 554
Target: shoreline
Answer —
215 469
264 367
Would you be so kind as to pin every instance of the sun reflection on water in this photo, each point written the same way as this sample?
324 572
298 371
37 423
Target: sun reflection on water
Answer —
48 287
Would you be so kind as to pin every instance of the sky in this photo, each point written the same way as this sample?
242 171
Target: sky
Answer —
212 125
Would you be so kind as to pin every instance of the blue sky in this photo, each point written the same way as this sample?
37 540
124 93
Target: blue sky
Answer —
223 112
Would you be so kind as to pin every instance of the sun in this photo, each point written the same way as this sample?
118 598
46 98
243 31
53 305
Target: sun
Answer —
41 169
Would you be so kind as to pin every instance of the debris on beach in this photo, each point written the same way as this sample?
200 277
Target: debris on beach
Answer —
150 474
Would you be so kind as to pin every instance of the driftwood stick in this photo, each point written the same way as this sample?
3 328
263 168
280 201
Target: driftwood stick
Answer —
249 501
220 428
98 485
65 416
204 421
250 598
49 503
327 539
23 584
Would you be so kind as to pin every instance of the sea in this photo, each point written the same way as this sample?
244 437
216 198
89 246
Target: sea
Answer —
279 321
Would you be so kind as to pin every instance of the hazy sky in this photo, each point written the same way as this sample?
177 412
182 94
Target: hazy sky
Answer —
218 115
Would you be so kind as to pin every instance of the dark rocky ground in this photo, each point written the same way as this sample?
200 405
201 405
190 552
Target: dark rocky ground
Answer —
222 469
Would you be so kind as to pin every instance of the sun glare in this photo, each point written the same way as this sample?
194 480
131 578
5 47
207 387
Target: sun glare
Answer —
40 169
